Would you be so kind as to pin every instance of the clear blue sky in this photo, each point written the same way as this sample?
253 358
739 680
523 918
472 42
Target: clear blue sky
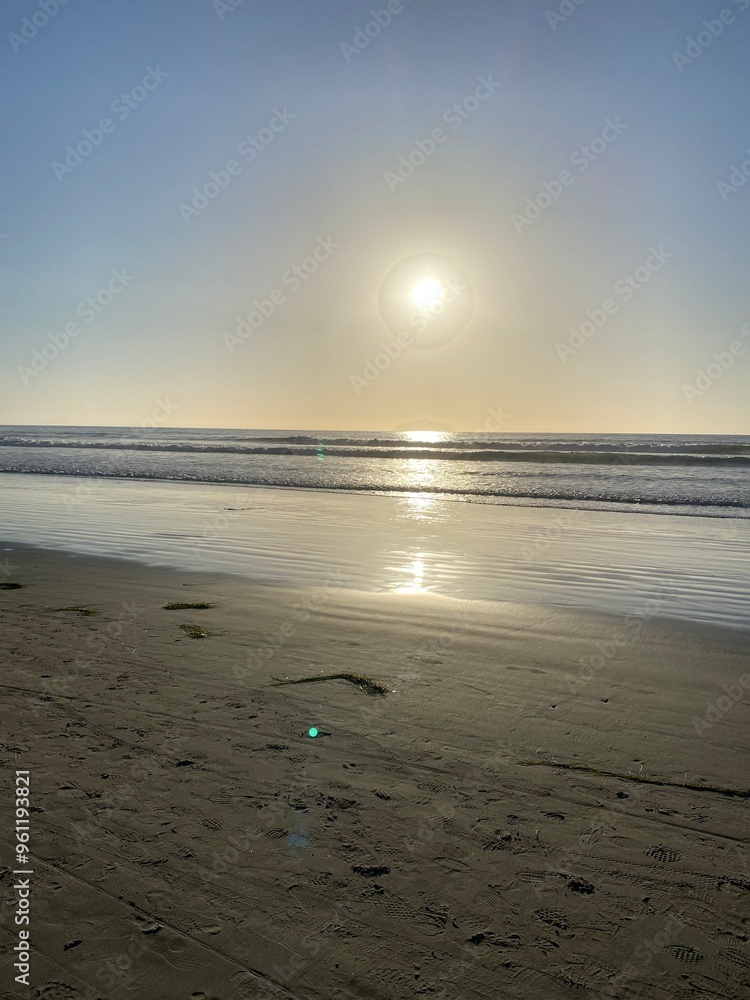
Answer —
220 76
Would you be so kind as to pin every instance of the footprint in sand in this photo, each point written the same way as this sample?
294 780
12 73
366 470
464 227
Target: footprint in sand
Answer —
146 925
437 787
320 879
57 991
488 900
371 871
684 953
275 833
582 886
738 957
554 918
665 854
627 843
724 937
496 844
223 800
537 877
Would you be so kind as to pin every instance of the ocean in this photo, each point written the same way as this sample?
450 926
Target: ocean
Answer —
655 525
707 475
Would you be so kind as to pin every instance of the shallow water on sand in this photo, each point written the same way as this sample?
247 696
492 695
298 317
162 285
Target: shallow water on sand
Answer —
644 564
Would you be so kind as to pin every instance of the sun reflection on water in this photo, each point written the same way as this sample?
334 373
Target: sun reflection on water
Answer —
416 570
418 508
421 472
426 437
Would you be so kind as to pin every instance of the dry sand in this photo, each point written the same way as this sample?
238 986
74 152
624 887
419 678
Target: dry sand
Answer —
479 832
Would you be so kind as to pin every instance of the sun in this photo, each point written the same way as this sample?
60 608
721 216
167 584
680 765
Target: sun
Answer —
427 293
428 297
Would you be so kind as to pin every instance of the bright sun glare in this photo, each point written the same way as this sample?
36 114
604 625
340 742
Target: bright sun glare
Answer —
427 293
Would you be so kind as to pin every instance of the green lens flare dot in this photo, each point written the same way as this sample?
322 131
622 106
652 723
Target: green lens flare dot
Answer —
312 732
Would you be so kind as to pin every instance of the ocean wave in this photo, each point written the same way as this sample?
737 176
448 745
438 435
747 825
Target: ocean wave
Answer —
733 456
608 497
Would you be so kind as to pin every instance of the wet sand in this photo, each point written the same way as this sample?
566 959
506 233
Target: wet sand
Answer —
546 802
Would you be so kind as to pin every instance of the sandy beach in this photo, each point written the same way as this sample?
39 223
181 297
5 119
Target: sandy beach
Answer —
545 802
